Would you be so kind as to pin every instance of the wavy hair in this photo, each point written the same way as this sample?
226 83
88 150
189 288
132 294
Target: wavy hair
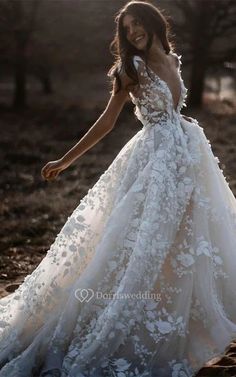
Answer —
153 22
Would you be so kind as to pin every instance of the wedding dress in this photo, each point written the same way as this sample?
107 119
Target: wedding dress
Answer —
141 279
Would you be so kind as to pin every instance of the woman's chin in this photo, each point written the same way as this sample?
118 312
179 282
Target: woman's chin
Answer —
141 47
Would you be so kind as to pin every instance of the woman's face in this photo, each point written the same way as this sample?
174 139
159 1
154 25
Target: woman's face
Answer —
135 32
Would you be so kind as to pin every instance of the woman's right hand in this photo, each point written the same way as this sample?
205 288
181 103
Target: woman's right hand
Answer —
52 169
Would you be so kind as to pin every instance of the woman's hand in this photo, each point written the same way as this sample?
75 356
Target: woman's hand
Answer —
51 170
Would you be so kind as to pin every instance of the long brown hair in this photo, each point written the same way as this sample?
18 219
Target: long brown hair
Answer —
153 21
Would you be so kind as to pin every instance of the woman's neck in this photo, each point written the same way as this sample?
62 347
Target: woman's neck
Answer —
156 53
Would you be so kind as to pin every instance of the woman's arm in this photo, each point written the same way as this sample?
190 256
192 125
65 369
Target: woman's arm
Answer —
101 127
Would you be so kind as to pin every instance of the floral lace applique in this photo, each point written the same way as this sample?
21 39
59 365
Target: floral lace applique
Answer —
153 99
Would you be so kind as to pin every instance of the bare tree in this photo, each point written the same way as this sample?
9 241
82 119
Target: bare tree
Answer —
207 29
17 23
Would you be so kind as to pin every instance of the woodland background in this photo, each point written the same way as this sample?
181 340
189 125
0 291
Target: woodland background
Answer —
54 59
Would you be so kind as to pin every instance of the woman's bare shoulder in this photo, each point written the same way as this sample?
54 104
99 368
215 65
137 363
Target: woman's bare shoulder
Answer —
177 59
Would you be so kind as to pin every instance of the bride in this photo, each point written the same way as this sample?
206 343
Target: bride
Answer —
141 279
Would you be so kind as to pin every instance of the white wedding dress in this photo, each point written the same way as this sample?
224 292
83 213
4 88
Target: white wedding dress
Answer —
141 279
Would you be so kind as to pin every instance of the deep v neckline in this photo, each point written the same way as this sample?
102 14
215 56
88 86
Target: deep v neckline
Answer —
167 86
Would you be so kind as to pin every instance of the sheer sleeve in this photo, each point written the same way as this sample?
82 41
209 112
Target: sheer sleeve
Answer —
150 98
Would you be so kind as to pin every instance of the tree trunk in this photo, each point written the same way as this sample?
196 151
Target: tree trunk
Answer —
23 25
46 85
19 101
197 81
201 47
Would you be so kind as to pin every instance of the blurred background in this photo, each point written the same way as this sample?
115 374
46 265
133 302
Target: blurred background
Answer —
54 59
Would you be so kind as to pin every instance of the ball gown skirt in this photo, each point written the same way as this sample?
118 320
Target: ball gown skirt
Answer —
141 279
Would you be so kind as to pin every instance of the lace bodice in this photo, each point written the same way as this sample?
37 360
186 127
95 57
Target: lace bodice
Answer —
153 98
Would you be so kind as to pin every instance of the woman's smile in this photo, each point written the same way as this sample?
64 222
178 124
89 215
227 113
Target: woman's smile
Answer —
138 39
135 33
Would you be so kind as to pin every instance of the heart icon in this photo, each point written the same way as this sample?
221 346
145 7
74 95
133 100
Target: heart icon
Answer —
83 294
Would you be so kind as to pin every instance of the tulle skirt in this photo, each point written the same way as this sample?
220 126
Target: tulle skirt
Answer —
141 279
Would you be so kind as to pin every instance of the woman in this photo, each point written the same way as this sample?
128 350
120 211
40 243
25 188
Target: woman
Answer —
140 280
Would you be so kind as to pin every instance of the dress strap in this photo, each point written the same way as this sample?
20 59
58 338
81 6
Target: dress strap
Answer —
136 59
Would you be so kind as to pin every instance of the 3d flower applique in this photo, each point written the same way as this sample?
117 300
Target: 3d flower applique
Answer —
180 368
203 247
164 327
185 259
160 104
